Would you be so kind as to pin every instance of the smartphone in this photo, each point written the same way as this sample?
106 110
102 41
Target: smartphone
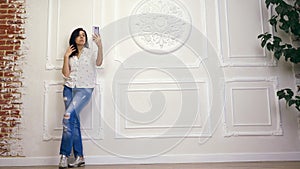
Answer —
96 30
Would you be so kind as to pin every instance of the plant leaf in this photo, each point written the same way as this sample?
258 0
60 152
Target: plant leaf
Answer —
270 47
277 54
291 102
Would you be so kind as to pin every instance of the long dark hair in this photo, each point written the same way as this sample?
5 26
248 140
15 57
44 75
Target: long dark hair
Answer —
73 37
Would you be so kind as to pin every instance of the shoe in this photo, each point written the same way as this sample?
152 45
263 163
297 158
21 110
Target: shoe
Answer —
79 162
63 163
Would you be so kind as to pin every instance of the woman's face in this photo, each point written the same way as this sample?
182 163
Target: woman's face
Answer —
80 39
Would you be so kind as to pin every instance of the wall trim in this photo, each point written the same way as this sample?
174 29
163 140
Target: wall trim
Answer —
269 83
187 158
245 60
124 131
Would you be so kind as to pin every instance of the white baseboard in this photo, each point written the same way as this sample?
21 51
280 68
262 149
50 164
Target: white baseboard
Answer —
202 158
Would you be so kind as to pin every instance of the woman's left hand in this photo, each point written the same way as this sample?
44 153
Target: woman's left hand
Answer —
97 40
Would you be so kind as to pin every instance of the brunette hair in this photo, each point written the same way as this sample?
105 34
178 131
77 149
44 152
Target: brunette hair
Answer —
73 37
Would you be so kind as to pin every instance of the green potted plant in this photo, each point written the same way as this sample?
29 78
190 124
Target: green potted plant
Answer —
286 17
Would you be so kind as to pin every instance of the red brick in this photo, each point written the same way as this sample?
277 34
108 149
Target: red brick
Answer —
15 21
3 31
6 47
20 37
4 113
2 42
7 96
4 124
4 5
2 36
12 11
3 11
6 130
14 123
12 74
4 118
15 112
3 1
7 16
4 135
10 52
4 26
3 102
17 47
3 22
12 32
13 42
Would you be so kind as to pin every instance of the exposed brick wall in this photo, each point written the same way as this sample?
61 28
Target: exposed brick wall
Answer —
12 36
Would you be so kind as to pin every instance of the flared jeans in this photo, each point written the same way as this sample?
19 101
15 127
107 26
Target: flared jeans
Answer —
75 100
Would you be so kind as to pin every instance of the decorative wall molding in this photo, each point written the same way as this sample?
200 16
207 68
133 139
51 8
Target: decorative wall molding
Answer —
155 59
228 58
162 26
91 121
127 127
139 41
266 122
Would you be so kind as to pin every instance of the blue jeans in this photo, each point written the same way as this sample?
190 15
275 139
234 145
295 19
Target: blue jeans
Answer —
75 100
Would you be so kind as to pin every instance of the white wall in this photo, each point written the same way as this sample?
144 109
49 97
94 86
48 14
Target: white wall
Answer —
211 99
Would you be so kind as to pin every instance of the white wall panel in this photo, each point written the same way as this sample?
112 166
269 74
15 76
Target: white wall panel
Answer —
157 109
252 107
256 111
241 21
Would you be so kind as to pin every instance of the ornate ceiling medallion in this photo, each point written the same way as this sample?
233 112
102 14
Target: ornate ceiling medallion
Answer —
160 26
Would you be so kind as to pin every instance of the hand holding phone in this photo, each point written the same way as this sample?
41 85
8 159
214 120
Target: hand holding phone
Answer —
96 30
96 36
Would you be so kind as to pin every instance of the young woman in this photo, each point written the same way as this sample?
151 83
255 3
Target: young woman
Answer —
79 72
